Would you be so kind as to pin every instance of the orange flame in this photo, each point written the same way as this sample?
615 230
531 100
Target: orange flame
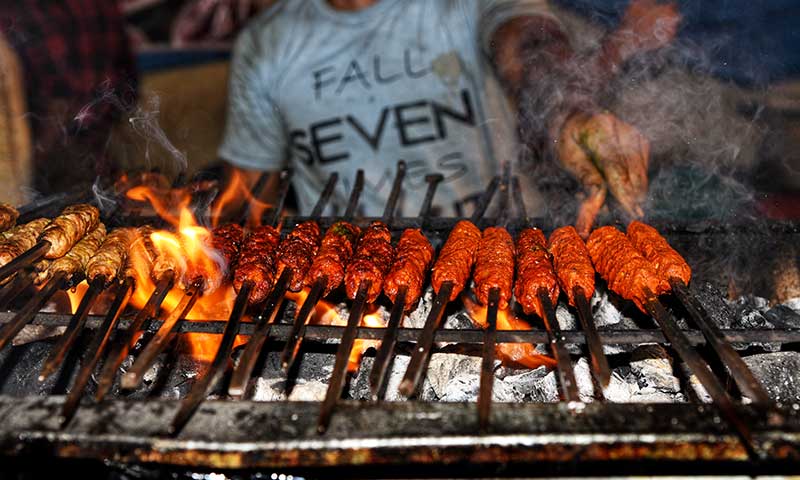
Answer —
75 295
511 354
237 189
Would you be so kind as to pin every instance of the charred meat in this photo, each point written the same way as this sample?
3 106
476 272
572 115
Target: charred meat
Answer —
494 266
414 256
372 260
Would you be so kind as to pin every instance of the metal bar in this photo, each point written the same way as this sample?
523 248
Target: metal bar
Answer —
298 328
600 367
336 383
394 193
383 359
263 322
355 194
17 285
26 314
741 374
125 339
433 180
158 343
566 375
487 362
94 352
202 387
325 196
702 371
421 354
486 199
286 177
516 190
25 259
76 323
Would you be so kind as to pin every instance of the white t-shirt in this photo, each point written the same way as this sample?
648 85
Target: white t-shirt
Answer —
323 90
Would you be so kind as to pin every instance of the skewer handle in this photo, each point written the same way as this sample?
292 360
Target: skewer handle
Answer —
433 181
487 362
486 199
298 328
383 359
394 194
355 194
602 371
24 316
325 195
29 257
566 375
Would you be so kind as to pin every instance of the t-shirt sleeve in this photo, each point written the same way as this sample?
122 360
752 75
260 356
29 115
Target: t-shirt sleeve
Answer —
255 135
494 13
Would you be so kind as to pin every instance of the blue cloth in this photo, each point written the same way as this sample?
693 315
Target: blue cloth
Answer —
751 42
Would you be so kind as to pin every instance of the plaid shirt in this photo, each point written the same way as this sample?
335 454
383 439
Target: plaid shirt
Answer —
77 68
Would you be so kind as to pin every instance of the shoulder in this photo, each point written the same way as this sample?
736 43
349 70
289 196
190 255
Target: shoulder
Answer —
272 29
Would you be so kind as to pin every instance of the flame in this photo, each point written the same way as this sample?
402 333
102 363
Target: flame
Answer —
75 295
237 189
373 319
165 205
511 354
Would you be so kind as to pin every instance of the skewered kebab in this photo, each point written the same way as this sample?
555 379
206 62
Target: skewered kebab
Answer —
573 267
628 273
295 255
448 278
257 262
364 277
60 271
102 267
8 216
55 240
20 239
672 267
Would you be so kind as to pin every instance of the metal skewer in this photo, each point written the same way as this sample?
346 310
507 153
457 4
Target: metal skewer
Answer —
125 339
292 347
741 374
421 354
17 285
76 324
25 259
700 368
342 356
133 377
600 367
26 314
487 362
94 352
272 305
566 375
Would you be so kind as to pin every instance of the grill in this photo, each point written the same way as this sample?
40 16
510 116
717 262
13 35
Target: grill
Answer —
369 437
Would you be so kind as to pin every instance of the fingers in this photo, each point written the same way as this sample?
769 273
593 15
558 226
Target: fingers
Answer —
587 212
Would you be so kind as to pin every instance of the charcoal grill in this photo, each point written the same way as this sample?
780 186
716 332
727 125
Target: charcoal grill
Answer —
399 438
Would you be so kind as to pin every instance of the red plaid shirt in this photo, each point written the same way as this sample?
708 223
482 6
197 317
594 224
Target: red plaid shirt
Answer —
75 55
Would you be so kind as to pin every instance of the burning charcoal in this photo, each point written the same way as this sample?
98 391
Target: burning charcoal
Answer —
715 305
35 333
309 391
778 373
742 314
359 385
652 366
605 313
537 385
697 387
447 368
783 317
583 377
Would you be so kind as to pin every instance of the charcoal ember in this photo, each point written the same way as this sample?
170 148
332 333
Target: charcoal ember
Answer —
794 304
538 385
777 372
695 385
448 373
35 333
307 381
718 309
652 366
567 321
744 313
416 318
782 316
359 386
604 311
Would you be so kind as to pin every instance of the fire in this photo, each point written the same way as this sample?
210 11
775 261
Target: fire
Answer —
75 295
511 354
236 190
373 319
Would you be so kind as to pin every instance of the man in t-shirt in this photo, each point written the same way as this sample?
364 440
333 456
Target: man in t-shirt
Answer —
336 85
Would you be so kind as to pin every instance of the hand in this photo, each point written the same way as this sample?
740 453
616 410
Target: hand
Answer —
603 153
647 25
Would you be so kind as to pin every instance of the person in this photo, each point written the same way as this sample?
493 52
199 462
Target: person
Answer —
336 85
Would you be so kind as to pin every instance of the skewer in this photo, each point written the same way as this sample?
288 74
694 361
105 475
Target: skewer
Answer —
133 377
94 352
125 339
283 192
487 362
421 354
741 374
201 388
292 347
700 368
394 194
566 375
26 314
264 323
74 328
336 383
25 259
19 284
383 359
316 212
600 367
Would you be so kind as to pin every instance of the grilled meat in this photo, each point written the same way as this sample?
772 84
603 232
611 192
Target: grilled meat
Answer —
41 271
456 258
109 259
667 262
223 245
22 239
67 229
494 266
142 253
334 253
534 271
414 256
572 263
257 262
625 270
77 258
297 252
8 216
372 260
